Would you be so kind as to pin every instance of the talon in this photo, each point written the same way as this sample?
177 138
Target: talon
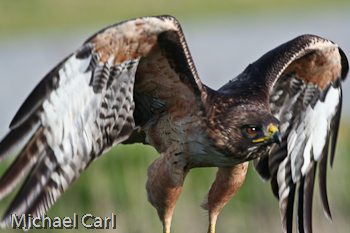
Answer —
166 229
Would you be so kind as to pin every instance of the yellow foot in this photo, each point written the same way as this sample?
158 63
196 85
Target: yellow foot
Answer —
211 228
166 229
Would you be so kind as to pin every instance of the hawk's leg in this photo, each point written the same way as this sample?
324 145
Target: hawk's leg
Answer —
164 185
227 182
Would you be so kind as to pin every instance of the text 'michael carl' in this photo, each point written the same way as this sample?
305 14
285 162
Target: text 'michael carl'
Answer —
27 221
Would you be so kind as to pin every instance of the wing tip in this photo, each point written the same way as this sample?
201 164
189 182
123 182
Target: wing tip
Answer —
327 213
322 173
344 64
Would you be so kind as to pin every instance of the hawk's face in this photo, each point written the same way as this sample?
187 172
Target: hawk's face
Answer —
257 138
247 131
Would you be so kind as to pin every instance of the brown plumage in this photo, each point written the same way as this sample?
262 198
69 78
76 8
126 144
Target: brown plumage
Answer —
136 82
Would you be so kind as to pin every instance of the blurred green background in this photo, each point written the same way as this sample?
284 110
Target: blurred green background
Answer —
116 182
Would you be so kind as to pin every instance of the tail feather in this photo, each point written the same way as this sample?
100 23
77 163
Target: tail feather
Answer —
27 158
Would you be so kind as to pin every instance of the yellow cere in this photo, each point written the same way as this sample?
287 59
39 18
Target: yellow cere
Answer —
273 129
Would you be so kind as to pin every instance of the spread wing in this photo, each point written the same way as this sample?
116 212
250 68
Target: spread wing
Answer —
121 78
300 81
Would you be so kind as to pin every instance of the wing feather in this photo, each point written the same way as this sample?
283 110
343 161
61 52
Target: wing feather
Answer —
322 175
306 190
18 134
24 162
300 82
32 187
37 96
86 105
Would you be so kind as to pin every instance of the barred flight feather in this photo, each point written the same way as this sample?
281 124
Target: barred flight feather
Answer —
306 112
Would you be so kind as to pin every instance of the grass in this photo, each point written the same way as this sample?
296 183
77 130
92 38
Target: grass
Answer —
29 16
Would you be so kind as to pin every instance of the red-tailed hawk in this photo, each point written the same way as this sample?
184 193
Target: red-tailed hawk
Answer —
136 82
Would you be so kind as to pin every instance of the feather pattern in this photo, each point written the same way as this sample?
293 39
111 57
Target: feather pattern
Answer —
83 107
305 85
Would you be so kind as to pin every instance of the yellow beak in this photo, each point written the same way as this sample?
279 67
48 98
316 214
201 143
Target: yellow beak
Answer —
273 137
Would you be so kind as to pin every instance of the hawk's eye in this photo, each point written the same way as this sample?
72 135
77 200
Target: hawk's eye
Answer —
251 130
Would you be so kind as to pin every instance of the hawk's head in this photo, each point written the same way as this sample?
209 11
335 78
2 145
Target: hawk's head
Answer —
245 130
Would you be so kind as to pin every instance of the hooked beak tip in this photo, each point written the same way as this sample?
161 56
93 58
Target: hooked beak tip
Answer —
275 136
